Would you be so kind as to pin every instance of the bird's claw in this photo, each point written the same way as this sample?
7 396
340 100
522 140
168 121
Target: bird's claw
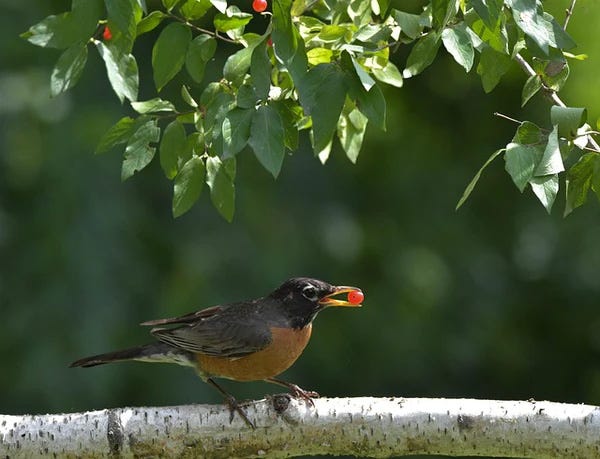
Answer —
306 395
234 407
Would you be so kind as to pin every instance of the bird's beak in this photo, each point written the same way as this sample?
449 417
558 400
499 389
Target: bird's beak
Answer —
329 300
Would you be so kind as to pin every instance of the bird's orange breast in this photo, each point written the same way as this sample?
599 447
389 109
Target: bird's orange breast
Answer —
286 346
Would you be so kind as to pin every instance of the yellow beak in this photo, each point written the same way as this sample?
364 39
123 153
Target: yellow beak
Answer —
328 300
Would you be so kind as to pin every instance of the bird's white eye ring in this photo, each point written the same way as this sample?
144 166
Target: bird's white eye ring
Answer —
310 292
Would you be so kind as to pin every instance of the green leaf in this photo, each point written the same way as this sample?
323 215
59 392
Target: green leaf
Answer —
172 144
546 189
351 131
168 53
153 106
475 179
579 181
193 10
288 45
260 70
422 54
122 71
232 19
521 161
318 56
365 79
551 162
492 66
237 64
531 87
119 133
138 152
458 43
122 14
67 29
372 104
528 133
150 22
188 185
187 97
410 24
322 95
170 4
568 119
290 114
488 10
220 179
200 50
389 75
525 14
246 97
494 38
266 138
442 11
236 130
68 69
220 5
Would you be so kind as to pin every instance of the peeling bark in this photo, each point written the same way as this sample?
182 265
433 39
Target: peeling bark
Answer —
370 427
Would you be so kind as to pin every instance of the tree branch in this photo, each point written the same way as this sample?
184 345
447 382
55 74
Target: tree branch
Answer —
374 427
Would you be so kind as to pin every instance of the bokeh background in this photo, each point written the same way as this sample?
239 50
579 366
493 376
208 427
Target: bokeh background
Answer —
498 300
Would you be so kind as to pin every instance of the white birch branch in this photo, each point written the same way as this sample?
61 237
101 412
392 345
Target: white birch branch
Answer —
371 427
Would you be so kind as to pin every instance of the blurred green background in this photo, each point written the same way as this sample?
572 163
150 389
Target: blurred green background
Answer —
498 300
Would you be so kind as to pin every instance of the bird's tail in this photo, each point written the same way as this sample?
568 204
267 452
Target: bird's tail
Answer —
153 352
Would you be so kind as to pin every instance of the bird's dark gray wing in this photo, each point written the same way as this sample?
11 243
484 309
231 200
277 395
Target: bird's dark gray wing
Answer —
226 333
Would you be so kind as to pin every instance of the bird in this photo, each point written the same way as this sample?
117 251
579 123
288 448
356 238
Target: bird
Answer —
249 340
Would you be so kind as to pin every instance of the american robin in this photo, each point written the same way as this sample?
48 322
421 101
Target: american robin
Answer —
244 341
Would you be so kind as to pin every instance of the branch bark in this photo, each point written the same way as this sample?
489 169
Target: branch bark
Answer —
371 427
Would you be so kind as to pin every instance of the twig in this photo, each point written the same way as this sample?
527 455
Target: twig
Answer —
506 117
569 13
200 29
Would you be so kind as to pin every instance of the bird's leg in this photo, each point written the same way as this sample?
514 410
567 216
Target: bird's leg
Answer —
295 390
232 403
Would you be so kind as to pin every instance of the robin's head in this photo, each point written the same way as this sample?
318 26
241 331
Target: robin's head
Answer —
301 298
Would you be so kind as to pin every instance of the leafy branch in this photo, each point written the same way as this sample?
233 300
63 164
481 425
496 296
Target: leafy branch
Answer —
316 67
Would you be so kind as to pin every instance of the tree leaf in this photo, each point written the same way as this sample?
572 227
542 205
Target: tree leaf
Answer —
527 18
422 54
172 144
288 45
410 24
193 10
122 14
488 10
528 133
220 179
551 162
266 138
579 181
237 64
458 43
168 53
68 69
365 79
389 75
200 50
495 38
372 104
471 186
521 161
442 11
492 66
119 133
153 106
290 114
546 189
150 22
351 131
188 185
64 30
236 130
260 70
138 152
122 71
322 95
568 119
232 19
530 88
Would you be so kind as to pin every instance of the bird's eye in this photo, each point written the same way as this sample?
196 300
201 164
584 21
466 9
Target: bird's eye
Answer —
310 293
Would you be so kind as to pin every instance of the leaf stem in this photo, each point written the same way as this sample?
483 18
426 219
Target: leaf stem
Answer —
201 29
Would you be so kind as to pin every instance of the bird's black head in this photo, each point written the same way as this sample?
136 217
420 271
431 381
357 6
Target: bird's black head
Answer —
301 298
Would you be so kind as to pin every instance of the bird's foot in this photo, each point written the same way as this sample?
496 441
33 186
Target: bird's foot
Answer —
234 407
306 395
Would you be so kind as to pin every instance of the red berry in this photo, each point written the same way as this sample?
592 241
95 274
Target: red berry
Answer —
259 5
355 297
269 42
106 33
